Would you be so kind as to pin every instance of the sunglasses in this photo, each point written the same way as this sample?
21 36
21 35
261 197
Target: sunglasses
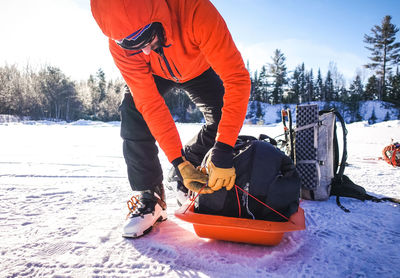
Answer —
135 44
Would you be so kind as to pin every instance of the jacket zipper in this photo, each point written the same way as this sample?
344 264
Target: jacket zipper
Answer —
160 52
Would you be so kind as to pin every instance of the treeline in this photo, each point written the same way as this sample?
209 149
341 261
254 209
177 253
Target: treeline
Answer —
50 94
273 85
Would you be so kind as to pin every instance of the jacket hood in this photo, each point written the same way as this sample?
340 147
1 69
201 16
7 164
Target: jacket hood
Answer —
120 18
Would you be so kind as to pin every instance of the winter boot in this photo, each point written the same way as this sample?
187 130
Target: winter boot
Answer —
146 208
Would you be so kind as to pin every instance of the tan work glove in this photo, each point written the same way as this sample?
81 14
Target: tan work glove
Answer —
219 164
220 177
194 179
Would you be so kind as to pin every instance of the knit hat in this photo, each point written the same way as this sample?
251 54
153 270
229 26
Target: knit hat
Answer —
140 38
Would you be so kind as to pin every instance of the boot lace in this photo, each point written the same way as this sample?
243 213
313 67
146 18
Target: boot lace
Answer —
133 204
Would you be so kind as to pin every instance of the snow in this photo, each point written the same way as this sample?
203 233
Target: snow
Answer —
63 188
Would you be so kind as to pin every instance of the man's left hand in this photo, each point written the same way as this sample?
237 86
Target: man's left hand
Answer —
221 172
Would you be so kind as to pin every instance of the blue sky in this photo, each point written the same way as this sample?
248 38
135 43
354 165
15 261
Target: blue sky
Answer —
63 33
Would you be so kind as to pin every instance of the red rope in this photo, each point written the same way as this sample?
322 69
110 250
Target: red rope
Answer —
264 204
194 199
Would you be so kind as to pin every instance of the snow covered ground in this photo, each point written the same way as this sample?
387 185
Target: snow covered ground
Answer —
63 189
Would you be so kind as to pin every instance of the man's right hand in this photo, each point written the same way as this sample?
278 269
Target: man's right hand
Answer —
194 179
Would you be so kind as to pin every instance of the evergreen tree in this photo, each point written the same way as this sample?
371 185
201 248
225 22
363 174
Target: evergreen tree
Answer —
319 87
303 86
337 81
263 85
384 51
101 84
356 88
394 93
256 89
309 86
356 92
294 87
277 71
371 89
328 87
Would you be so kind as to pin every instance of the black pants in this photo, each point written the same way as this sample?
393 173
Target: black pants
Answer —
139 148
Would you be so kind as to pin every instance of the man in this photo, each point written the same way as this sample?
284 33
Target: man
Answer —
158 45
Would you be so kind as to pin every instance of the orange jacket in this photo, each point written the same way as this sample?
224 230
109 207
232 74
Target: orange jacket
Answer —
199 38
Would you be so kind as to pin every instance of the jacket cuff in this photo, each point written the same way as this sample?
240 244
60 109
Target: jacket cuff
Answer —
223 147
178 160
222 155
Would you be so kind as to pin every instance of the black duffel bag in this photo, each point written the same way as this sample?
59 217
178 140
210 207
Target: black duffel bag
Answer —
266 174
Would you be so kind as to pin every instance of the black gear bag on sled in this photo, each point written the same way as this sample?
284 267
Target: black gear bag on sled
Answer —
264 172
314 146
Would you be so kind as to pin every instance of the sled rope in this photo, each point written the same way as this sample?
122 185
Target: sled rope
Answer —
194 199
237 195
277 212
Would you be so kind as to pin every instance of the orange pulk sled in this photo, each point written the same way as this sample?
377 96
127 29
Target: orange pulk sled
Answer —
239 229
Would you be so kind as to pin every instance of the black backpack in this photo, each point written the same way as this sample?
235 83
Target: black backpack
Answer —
268 185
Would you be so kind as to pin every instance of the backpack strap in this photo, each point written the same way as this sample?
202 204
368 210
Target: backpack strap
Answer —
266 138
342 186
341 166
339 174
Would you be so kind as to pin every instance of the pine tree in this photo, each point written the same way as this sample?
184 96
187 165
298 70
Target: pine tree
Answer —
356 91
303 87
356 88
371 89
277 70
294 87
328 87
384 51
101 84
394 93
263 85
319 87
309 86
255 94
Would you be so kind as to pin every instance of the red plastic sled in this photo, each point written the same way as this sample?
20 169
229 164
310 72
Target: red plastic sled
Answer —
240 229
